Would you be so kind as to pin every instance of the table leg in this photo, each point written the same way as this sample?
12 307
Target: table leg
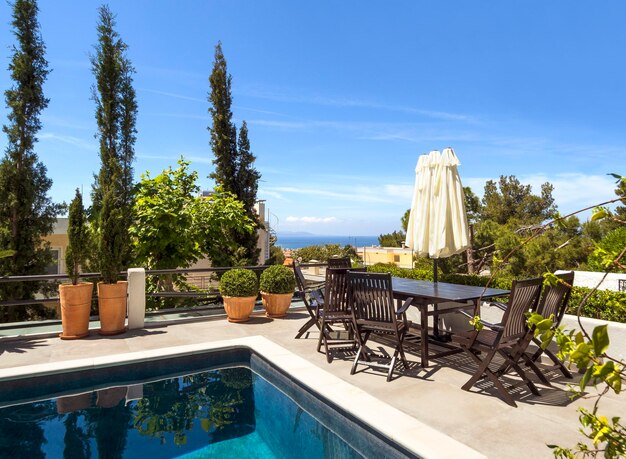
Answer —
435 321
424 333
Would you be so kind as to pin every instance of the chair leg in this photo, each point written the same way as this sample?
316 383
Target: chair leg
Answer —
392 364
529 362
306 327
558 363
531 386
361 350
552 357
482 366
322 335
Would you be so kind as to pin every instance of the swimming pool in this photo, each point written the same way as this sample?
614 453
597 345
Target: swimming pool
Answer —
227 403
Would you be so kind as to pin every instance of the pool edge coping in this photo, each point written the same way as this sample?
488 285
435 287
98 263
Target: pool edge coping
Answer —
416 436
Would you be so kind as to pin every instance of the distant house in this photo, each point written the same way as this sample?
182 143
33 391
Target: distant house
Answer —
59 241
58 244
400 257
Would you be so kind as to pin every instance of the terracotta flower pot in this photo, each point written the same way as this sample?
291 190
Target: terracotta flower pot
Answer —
112 299
75 309
239 308
276 304
111 397
74 402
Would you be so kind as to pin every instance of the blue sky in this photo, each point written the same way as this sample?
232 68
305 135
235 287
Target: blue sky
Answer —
341 97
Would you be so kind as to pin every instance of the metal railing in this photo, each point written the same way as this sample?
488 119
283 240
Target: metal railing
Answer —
207 293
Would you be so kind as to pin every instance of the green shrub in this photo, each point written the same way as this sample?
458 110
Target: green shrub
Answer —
278 279
603 304
239 282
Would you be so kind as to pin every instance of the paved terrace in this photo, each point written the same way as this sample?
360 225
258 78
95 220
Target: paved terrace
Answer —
433 396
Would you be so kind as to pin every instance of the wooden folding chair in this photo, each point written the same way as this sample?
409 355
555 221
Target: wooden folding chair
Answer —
336 310
374 312
312 297
509 339
554 303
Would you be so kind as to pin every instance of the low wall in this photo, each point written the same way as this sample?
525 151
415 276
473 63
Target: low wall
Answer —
590 279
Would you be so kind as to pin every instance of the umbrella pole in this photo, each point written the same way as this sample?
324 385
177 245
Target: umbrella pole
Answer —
435 269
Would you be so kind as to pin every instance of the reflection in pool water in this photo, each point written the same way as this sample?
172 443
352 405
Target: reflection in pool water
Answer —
230 412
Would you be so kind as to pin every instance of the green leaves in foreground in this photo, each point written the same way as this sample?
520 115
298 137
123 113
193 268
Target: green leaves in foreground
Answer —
608 437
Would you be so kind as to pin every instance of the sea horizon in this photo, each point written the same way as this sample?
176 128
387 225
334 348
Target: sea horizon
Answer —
299 241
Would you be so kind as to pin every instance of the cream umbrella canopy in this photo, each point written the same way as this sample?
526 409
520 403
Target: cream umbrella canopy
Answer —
437 225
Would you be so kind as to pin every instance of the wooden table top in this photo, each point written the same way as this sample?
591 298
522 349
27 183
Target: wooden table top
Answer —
441 292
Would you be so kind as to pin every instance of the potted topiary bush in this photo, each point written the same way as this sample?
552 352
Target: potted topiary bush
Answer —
239 288
277 286
76 297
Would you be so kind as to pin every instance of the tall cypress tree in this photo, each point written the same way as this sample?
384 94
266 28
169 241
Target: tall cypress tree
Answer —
116 115
234 162
26 211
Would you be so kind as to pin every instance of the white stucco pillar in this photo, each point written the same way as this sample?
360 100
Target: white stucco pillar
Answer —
136 297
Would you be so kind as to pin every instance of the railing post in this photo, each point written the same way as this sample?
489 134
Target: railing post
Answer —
136 298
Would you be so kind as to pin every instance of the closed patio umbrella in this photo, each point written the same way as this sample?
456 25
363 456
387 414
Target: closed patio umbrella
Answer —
437 225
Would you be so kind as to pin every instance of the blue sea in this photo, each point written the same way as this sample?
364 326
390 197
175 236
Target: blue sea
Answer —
297 242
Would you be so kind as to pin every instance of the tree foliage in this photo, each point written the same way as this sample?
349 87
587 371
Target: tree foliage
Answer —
27 212
174 226
510 200
116 112
323 252
394 239
233 160
78 238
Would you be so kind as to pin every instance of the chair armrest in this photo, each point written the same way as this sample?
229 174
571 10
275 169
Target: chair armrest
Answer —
316 297
404 306
494 327
498 305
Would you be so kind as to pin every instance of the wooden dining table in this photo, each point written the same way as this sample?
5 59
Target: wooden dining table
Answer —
428 295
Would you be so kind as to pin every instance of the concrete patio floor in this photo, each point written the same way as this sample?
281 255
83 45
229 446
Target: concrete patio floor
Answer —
433 395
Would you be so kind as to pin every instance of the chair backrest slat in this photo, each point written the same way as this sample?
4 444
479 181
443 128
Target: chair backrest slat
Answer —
524 297
555 299
339 262
336 292
371 296
300 280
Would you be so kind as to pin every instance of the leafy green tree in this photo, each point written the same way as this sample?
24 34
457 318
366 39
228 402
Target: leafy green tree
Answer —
165 231
27 212
323 252
405 220
509 199
234 162
174 227
394 239
116 112
473 206
277 256
612 244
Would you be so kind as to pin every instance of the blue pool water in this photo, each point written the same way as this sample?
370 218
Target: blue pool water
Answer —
221 412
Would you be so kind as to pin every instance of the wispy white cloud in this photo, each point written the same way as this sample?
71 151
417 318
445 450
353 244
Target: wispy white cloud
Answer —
338 101
62 122
572 191
69 140
293 219
189 116
400 191
265 193
172 95
351 195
